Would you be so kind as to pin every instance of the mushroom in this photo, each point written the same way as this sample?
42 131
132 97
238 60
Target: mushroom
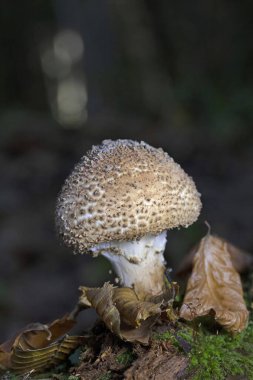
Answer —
119 201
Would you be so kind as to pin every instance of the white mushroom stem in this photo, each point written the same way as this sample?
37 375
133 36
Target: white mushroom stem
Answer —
139 264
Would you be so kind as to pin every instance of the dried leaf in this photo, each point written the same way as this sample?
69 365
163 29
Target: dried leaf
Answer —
101 300
38 347
37 336
47 357
241 260
133 311
122 312
140 334
5 360
215 287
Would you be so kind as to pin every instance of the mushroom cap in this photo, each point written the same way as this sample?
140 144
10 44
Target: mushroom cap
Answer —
122 190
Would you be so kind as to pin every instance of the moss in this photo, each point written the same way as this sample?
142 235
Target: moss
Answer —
125 358
214 356
9 376
217 356
106 376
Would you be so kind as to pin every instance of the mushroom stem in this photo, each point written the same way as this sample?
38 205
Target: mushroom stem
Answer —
139 264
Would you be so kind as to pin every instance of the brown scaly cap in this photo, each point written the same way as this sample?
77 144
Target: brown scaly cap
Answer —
123 190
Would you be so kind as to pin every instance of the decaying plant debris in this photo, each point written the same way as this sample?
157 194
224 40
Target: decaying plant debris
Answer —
127 349
138 335
124 313
112 358
215 287
38 347
134 337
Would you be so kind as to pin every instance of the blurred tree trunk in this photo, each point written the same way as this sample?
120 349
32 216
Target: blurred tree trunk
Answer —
140 32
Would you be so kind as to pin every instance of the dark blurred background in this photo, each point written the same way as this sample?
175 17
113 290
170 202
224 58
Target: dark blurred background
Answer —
175 74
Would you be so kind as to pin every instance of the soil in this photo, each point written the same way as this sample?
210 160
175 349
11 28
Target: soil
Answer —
107 357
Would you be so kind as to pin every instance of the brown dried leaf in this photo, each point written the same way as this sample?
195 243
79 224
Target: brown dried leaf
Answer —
215 287
38 347
133 311
41 359
122 312
101 300
5 360
37 336
241 260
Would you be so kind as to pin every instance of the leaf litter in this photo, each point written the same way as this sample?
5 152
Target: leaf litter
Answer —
214 287
126 344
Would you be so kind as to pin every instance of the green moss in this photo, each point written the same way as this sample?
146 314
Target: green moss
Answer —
125 358
106 376
214 356
217 356
9 376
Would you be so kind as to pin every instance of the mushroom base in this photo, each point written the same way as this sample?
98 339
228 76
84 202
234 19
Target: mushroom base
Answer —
139 264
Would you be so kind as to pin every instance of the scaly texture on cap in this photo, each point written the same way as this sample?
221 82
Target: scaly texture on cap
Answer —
123 190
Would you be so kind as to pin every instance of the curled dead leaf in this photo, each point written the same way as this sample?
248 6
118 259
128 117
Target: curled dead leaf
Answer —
122 311
215 287
101 300
132 310
38 347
